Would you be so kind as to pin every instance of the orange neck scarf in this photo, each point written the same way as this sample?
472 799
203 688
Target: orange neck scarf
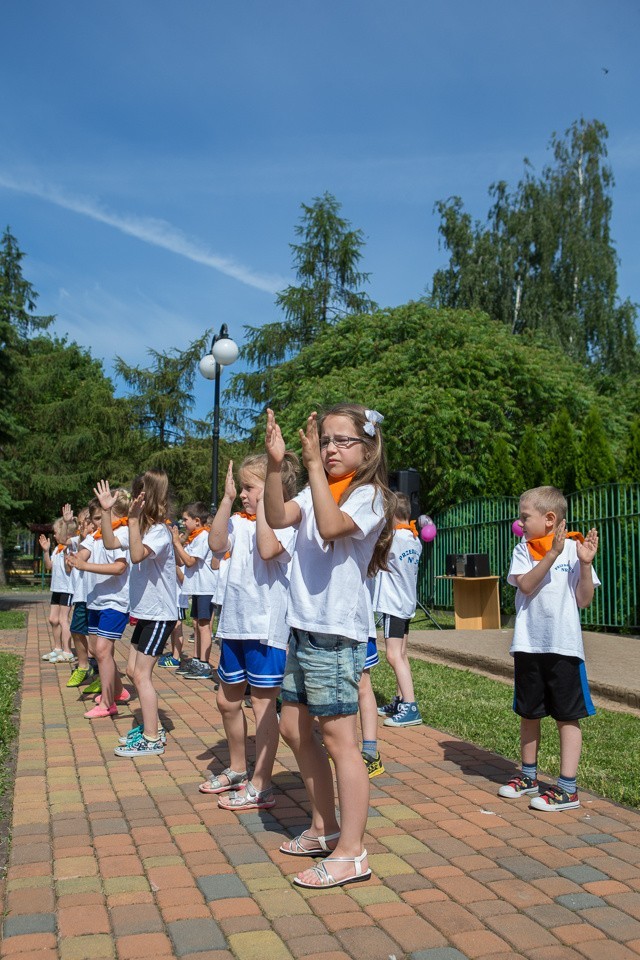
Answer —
60 547
539 546
247 516
408 526
115 525
338 485
194 533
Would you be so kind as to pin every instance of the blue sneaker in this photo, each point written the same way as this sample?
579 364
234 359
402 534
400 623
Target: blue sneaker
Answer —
168 661
407 715
390 708
136 733
140 748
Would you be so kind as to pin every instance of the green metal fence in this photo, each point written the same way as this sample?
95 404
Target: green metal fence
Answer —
483 525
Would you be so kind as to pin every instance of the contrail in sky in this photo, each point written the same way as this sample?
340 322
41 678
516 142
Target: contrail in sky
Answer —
158 233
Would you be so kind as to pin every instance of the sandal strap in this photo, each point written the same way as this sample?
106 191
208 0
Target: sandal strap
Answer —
232 776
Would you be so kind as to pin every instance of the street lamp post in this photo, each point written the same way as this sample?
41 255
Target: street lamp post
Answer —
224 352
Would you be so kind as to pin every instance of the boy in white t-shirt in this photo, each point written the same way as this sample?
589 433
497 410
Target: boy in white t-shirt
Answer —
395 595
200 581
553 572
61 589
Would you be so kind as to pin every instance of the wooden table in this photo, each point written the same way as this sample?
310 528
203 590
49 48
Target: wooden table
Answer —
476 602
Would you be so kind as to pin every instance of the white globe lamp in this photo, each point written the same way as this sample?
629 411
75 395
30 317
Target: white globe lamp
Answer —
208 367
225 351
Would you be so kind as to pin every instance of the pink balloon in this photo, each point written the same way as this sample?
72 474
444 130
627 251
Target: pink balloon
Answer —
516 529
428 532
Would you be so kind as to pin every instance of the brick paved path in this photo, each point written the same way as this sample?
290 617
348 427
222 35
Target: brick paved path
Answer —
118 858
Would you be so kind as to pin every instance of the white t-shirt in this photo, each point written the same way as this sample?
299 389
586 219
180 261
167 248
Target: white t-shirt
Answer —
223 573
152 583
326 592
181 596
548 620
60 579
200 579
255 599
107 591
77 577
395 589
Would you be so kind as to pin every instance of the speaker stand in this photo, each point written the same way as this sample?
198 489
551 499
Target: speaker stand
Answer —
430 615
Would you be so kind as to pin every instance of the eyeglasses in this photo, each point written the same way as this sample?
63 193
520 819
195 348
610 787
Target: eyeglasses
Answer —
340 442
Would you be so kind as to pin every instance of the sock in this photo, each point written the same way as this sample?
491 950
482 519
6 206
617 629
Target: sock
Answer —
567 784
370 747
530 770
150 739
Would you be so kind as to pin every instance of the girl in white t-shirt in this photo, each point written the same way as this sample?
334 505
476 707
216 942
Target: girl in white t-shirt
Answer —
61 589
345 523
153 599
252 630
194 556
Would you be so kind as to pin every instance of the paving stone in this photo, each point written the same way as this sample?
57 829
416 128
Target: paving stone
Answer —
258 945
222 886
526 868
579 901
582 874
596 839
616 924
438 953
189 936
29 923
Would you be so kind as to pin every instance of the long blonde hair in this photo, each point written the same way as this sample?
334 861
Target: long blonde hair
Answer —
372 470
256 463
155 484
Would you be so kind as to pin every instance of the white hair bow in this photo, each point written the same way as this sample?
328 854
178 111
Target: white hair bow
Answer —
373 419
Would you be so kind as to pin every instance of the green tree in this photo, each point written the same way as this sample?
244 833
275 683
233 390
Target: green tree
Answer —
562 453
544 261
529 467
162 393
500 478
596 463
631 469
326 260
448 383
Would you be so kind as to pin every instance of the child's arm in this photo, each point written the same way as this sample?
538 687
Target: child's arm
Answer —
138 551
269 547
528 582
67 512
107 500
182 557
278 513
46 548
331 521
115 569
219 532
586 552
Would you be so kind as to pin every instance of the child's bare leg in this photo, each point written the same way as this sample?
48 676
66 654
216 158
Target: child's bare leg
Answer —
130 669
296 727
340 738
229 699
529 741
142 678
196 640
401 668
263 701
65 628
82 650
111 685
204 629
367 707
54 620
177 641
570 747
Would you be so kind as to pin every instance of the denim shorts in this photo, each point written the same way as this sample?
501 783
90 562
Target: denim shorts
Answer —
323 672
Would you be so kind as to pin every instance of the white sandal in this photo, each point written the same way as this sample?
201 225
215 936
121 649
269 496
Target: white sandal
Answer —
235 781
295 847
327 880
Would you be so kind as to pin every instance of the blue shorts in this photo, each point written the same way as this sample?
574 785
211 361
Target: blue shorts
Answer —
249 661
80 619
372 654
107 623
202 606
323 672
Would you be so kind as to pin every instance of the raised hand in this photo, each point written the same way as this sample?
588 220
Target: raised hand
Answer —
274 441
67 512
559 538
104 495
311 442
229 483
136 507
44 542
586 551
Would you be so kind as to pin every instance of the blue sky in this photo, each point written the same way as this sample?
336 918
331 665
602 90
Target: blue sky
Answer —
154 154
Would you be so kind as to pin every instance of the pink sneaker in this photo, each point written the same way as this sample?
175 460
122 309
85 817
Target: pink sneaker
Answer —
100 711
124 697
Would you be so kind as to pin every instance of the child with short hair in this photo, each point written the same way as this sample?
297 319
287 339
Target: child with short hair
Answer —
395 597
194 556
554 576
344 521
252 630
79 621
61 590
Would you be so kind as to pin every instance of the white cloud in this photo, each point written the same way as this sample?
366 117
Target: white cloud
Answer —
150 230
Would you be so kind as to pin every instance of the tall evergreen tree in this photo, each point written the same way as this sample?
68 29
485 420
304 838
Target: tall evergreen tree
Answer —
596 463
631 469
500 478
562 453
326 259
544 261
529 467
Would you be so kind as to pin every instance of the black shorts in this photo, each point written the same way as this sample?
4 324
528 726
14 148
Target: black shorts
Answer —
551 685
150 636
201 606
395 628
61 599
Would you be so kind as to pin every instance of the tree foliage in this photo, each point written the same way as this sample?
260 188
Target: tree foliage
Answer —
544 260
450 384
562 453
326 260
596 463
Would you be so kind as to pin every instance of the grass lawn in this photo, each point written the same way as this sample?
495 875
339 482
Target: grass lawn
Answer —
478 709
9 684
12 620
